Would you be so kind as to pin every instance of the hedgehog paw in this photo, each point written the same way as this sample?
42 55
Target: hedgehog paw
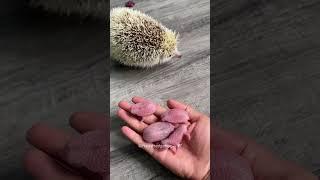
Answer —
173 149
189 131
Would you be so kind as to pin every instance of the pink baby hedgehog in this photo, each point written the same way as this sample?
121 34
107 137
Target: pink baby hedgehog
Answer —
143 109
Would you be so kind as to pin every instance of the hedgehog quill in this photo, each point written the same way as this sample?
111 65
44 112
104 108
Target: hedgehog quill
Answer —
138 40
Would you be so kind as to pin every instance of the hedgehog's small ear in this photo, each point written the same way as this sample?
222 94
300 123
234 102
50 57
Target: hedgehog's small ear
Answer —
177 35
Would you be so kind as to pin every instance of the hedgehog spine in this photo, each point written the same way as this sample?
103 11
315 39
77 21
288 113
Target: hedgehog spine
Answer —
139 40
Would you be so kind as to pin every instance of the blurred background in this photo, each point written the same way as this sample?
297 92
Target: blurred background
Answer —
266 79
50 66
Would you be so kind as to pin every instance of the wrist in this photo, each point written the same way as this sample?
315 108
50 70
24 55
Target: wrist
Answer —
207 176
306 176
201 173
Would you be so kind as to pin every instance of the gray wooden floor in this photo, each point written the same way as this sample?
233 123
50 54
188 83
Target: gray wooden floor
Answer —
50 67
186 79
267 84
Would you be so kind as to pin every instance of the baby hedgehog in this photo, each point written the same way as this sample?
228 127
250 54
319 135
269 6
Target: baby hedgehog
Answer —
83 7
139 40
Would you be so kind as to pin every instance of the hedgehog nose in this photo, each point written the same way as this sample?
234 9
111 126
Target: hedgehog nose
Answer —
178 55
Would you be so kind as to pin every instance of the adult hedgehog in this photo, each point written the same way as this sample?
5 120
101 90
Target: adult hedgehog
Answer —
139 40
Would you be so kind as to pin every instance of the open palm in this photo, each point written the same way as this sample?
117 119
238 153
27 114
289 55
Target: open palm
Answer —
192 160
46 160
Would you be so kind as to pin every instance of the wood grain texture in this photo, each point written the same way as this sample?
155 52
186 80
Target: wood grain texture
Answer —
49 67
267 73
186 79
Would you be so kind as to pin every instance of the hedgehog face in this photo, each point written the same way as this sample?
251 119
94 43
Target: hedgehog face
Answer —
169 45
175 54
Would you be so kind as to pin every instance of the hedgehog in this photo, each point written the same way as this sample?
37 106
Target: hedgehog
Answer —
138 40
97 8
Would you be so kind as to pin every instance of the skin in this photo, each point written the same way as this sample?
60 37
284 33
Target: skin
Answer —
145 108
41 161
265 165
176 137
175 116
157 131
192 160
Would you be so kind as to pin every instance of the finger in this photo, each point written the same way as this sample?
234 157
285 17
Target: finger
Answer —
148 119
193 114
47 139
190 129
88 121
230 141
41 166
125 105
134 123
159 110
257 155
137 139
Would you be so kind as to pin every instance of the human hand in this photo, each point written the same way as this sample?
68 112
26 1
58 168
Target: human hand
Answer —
239 158
46 161
192 159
